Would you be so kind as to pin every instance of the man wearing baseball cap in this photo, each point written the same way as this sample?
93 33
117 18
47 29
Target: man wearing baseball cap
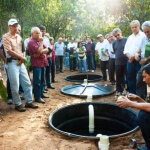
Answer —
17 72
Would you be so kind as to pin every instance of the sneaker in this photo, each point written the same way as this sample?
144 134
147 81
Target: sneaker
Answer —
92 71
20 108
31 105
119 94
9 102
142 148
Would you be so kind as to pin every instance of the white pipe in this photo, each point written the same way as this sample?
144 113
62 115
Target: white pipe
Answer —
91 119
89 98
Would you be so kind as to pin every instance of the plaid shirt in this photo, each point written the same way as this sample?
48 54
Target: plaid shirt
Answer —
12 43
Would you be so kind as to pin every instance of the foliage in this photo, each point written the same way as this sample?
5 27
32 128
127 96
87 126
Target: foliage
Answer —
74 17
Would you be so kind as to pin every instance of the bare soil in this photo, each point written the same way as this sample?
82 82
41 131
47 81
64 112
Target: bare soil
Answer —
30 130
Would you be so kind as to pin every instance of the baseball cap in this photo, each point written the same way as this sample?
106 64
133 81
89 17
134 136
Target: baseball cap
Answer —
100 35
12 22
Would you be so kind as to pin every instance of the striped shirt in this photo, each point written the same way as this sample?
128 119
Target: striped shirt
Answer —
12 43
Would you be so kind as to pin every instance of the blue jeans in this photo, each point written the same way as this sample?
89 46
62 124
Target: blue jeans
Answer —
18 75
66 59
38 82
141 87
132 70
90 61
47 73
143 120
82 63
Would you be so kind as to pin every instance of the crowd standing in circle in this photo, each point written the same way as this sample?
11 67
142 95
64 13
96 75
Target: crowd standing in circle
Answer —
123 61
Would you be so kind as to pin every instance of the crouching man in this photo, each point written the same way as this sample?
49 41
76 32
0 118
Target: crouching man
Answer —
143 117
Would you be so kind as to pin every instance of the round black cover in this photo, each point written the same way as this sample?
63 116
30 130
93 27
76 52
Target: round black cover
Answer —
81 77
82 90
111 120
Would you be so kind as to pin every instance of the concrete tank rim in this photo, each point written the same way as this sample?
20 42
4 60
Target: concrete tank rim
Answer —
99 79
91 137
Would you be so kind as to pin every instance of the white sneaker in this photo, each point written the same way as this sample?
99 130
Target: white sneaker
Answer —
92 71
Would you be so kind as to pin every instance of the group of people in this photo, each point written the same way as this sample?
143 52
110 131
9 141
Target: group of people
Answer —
127 61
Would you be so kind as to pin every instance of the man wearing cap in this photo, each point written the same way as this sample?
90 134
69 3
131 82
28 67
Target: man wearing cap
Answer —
17 72
100 49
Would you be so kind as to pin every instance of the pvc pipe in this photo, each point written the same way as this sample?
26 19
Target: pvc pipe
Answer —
91 119
89 98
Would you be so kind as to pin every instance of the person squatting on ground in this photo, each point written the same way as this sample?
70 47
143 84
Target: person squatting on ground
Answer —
137 102
17 72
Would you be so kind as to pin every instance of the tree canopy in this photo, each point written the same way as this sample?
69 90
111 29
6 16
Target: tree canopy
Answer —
74 17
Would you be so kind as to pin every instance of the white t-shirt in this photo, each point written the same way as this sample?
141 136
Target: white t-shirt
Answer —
47 42
81 55
100 47
109 49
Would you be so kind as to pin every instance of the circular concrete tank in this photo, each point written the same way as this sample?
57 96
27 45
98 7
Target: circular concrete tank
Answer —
109 119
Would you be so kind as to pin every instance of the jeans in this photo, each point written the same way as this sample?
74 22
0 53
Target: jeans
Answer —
82 63
111 69
104 65
53 71
132 70
72 63
141 87
47 73
121 76
18 75
66 59
38 82
90 61
143 120
59 63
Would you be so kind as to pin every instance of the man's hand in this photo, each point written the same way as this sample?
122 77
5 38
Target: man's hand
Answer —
133 97
22 60
125 103
19 63
40 39
131 59
142 62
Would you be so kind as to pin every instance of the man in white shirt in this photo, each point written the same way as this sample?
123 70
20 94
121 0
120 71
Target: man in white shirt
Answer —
72 47
100 49
46 41
131 50
109 51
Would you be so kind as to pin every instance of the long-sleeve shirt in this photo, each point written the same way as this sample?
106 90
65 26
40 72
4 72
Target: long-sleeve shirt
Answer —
133 43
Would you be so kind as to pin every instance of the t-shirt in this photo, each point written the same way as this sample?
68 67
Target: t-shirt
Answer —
59 48
145 48
118 47
81 56
109 50
101 50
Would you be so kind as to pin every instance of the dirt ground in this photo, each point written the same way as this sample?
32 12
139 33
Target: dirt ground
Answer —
30 130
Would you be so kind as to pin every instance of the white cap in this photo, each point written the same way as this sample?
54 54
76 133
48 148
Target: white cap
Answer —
12 22
100 35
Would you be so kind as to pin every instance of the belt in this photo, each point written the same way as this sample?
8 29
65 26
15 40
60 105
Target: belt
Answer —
15 58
